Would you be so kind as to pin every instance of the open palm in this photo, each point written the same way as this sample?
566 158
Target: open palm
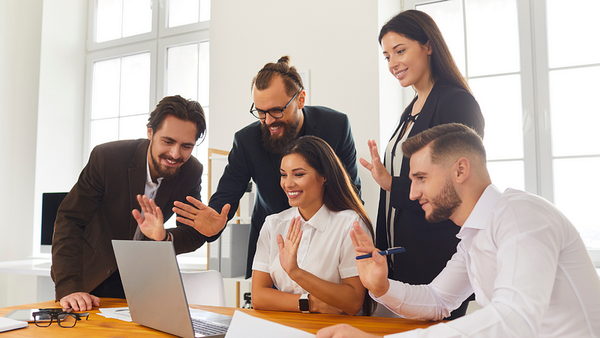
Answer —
201 217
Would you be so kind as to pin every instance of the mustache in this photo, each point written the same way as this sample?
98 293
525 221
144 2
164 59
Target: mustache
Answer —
163 156
276 124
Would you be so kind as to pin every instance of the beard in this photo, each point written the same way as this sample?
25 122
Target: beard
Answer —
277 144
444 204
163 171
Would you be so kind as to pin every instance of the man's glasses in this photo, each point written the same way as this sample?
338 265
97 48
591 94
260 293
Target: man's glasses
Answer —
276 113
64 319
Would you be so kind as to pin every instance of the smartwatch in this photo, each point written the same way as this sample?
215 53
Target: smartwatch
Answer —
303 303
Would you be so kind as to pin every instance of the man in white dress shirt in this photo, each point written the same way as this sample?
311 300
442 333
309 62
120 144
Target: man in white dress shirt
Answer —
523 259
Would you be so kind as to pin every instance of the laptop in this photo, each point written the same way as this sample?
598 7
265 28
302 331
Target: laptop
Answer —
155 293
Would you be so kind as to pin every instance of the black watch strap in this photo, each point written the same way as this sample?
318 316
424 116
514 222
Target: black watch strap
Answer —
303 304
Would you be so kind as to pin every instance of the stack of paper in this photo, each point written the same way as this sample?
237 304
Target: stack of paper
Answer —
121 313
7 324
247 326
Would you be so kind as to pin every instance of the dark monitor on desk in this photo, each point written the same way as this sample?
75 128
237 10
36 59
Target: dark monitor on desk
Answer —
50 203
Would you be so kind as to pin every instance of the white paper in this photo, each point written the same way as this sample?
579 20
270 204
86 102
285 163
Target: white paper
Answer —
7 324
121 313
247 326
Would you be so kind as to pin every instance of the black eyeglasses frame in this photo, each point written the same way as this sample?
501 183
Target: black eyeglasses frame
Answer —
56 315
275 113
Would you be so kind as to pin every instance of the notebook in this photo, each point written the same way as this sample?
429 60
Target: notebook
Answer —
155 293
7 324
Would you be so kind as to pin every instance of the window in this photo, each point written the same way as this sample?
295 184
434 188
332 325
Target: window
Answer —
536 90
138 52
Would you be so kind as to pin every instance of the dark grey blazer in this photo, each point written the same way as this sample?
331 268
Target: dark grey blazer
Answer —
98 209
248 159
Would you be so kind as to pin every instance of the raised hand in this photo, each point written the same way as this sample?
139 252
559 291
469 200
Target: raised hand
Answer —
376 167
372 271
288 250
151 222
201 217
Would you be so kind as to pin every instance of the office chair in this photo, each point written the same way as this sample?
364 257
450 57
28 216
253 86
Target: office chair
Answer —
204 287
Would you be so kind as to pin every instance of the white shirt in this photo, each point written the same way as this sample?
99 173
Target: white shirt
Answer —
528 267
325 249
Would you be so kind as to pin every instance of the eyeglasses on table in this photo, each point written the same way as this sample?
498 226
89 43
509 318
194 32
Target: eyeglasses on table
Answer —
64 319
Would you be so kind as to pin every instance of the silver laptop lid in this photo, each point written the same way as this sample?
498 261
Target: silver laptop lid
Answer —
153 286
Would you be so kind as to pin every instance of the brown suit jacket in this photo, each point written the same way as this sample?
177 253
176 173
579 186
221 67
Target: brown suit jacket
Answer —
98 209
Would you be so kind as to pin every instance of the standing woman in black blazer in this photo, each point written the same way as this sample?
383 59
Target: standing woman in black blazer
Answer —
418 56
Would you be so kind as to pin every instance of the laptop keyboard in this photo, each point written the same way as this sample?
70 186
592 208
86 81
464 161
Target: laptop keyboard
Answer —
208 328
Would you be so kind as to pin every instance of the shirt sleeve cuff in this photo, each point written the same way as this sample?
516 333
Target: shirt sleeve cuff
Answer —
394 297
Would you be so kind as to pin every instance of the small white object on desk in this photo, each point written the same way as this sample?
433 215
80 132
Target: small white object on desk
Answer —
7 324
121 313
246 326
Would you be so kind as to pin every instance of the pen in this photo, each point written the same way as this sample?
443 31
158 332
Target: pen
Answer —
390 251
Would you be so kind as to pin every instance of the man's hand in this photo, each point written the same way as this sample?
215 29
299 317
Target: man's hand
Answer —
201 217
79 301
343 331
372 271
288 250
151 222
376 167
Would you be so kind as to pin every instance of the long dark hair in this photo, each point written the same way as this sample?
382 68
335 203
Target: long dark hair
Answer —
420 27
340 193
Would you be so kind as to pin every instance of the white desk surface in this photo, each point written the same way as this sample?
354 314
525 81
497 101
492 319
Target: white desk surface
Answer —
35 266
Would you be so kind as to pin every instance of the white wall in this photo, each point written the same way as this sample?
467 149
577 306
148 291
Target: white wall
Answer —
336 40
59 148
41 84
20 35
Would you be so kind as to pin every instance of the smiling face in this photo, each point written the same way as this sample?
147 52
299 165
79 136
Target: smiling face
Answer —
278 133
170 147
432 186
302 184
407 60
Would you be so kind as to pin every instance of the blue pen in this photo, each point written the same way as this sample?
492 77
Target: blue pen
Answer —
390 251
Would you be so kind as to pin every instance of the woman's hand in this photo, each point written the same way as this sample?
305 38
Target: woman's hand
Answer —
288 250
319 306
376 167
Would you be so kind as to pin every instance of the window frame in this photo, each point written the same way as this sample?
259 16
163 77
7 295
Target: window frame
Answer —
156 43
535 97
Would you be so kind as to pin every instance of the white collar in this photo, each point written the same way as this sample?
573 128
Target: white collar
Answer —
480 213
320 219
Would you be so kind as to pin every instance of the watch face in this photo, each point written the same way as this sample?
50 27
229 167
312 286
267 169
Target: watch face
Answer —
303 304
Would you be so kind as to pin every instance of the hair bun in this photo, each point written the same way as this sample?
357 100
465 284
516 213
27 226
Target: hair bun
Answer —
284 59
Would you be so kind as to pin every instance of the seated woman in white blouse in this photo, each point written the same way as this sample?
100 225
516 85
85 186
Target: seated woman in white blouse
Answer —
314 268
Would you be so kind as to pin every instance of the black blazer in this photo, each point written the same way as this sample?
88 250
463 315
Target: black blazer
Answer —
98 209
248 159
428 246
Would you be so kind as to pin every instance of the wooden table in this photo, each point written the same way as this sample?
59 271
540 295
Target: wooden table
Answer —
99 326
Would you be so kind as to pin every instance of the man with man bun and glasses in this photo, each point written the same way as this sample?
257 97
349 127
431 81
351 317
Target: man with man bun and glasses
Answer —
279 106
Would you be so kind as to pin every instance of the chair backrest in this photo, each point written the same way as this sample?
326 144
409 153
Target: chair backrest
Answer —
204 287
